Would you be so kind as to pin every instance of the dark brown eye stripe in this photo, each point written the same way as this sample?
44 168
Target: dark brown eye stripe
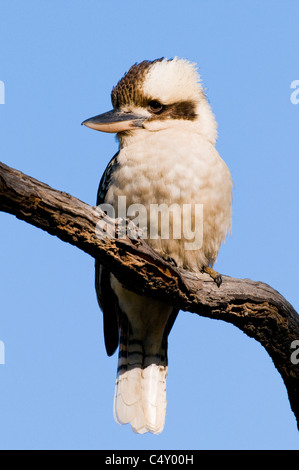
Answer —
179 110
183 110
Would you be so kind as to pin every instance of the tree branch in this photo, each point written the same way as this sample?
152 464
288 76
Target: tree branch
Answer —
254 307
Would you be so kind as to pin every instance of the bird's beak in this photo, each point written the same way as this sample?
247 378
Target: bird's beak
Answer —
114 121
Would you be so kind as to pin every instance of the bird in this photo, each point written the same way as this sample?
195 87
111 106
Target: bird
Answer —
167 156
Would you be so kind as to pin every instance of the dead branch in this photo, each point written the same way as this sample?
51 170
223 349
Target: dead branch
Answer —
254 307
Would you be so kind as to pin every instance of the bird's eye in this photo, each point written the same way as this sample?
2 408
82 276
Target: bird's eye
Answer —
155 106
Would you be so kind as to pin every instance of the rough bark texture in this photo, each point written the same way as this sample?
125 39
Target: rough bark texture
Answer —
254 307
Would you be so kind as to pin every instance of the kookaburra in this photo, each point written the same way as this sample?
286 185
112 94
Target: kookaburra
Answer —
167 134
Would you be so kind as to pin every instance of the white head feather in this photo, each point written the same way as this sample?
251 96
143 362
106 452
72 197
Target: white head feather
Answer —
170 82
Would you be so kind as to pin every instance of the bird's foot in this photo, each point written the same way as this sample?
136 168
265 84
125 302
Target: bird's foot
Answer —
169 260
213 274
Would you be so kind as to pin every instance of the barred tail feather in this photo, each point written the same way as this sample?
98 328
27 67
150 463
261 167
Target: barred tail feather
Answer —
154 396
128 394
140 389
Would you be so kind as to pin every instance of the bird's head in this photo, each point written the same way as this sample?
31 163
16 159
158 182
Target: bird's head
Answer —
157 95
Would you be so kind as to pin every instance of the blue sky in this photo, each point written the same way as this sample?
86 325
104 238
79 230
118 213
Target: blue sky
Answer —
59 61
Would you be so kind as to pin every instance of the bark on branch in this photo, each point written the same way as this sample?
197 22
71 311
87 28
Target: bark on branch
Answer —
254 307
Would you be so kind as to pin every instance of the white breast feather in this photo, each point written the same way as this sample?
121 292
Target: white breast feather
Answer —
182 168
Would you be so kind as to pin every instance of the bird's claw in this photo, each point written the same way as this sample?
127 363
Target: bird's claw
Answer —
214 275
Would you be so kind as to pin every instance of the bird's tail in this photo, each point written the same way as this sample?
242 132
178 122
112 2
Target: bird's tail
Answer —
140 389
